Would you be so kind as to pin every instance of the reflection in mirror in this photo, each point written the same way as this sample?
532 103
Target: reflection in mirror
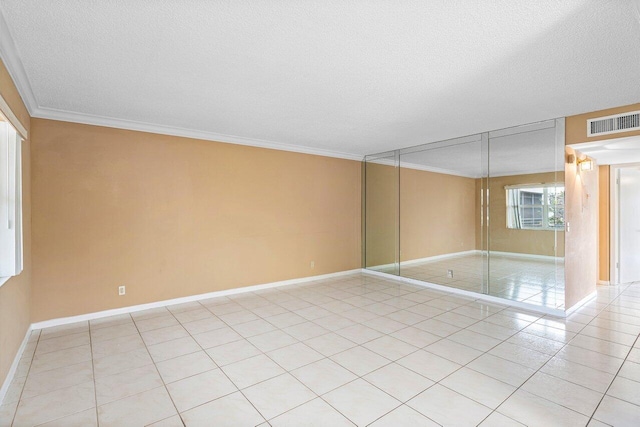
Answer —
381 213
526 214
440 212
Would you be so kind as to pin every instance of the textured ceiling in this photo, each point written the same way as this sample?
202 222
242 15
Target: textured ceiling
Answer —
342 76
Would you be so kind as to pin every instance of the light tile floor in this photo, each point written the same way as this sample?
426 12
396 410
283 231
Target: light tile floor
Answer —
526 279
356 350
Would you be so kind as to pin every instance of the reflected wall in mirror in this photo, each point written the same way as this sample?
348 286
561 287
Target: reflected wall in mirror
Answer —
483 213
381 213
526 214
440 213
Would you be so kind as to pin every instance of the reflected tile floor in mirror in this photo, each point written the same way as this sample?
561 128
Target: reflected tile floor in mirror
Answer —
532 280
356 350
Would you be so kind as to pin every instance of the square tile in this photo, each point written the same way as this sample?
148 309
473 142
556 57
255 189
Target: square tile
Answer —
360 360
390 347
398 381
272 340
252 370
127 383
453 351
201 388
359 334
476 386
323 376
158 336
228 411
617 412
294 356
447 407
532 410
415 336
170 349
55 404
278 395
139 410
121 362
217 337
314 413
232 352
330 344
361 402
429 365
404 416
185 366
54 379
253 328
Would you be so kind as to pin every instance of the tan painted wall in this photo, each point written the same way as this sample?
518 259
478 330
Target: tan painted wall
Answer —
437 214
15 294
603 222
170 217
503 239
576 126
581 242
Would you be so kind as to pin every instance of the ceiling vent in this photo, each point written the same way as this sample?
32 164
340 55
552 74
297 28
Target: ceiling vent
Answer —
624 122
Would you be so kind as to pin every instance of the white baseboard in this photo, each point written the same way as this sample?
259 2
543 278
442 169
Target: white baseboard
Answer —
604 282
527 256
478 296
181 300
582 302
437 257
14 366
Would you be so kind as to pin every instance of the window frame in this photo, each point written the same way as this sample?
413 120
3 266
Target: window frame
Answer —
545 205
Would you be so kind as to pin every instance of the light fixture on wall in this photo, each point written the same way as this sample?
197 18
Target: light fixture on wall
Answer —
585 164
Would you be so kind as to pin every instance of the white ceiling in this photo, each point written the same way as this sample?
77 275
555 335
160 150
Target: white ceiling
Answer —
333 77
612 151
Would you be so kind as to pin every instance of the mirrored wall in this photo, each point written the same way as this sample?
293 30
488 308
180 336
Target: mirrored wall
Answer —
483 213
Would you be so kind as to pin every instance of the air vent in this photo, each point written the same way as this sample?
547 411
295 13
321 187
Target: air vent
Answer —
624 122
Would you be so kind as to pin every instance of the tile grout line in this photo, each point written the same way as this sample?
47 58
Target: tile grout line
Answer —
26 378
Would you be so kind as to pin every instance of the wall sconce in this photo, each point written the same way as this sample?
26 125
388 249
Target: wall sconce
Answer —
586 164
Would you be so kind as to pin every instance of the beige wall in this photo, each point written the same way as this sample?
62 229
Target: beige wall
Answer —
170 217
437 214
603 222
581 242
503 239
576 126
15 294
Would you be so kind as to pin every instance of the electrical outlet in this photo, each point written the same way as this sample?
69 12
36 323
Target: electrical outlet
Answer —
450 274
313 264
121 290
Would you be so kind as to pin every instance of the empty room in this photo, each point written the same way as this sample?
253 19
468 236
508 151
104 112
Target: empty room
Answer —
319 213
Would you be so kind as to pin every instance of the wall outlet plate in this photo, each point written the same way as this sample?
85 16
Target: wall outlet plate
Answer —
121 290
450 274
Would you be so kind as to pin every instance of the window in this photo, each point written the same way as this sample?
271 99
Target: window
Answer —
10 201
535 206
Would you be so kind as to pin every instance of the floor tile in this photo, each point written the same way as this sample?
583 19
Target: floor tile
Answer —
278 395
359 334
625 389
62 330
521 355
579 374
88 418
156 323
314 413
228 411
361 402
360 360
217 337
62 342
198 389
127 383
617 412
272 340
415 336
174 348
116 346
404 416
429 365
453 351
46 381
55 404
567 394
253 328
390 347
496 419
185 366
501 369
479 387
252 370
447 407
158 336
294 356
60 358
204 325
121 362
323 376
398 381
232 352
533 411
330 344
139 410
305 331
474 340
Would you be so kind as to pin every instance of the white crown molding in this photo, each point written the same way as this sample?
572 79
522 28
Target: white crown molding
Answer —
11 59
89 119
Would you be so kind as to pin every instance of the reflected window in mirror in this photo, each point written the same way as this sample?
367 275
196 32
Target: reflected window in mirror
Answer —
535 206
